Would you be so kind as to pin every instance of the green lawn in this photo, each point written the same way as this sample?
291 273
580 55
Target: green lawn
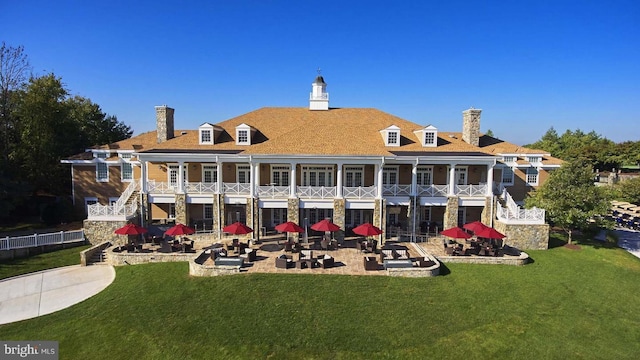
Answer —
567 304
60 258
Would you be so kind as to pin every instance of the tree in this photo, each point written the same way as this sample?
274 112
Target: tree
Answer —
489 133
629 190
97 127
570 198
14 68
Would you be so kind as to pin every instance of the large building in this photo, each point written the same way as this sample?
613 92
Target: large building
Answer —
278 164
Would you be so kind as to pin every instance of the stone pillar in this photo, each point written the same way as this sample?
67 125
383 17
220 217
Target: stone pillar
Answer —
145 213
252 218
164 123
378 218
487 212
293 214
339 212
451 213
411 214
182 216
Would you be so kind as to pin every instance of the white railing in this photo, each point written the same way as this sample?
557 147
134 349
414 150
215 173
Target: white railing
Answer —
359 192
21 242
471 190
237 188
318 192
433 190
111 212
396 190
201 188
515 214
159 187
319 96
273 191
124 197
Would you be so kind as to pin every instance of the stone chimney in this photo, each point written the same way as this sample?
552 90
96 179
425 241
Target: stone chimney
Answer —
164 123
471 126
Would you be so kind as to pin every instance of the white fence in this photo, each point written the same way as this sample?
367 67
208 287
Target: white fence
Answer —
360 192
111 212
21 242
514 214
322 192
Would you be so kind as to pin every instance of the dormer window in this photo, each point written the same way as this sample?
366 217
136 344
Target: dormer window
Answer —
534 159
391 136
206 134
428 136
243 134
509 159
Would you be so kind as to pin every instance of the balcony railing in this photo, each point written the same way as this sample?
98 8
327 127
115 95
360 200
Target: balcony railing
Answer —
321 192
359 192
471 190
201 188
159 187
433 190
514 214
126 194
111 212
273 191
396 190
237 188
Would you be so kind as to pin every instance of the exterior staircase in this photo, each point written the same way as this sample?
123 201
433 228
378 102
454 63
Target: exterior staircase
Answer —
99 258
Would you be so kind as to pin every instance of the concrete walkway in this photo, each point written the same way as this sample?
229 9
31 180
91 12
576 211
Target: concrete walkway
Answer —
28 296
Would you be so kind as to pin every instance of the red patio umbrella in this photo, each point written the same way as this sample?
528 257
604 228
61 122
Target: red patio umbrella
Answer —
289 226
131 229
179 229
237 228
367 229
325 225
490 233
456 233
475 226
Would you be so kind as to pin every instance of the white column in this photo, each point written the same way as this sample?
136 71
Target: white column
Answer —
219 177
257 176
452 179
181 177
378 180
339 181
414 179
490 179
143 177
292 188
252 181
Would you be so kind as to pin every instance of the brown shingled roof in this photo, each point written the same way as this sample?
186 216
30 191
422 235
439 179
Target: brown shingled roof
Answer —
300 131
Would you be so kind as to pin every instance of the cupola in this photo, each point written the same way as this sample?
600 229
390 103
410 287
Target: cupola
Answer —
319 98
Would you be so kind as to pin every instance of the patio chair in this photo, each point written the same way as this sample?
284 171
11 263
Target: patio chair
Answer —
448 251
372 246
370 263
249 255
425 262
401 254
324 244
361 245
305 254
284 261
288 246
386 254
325 261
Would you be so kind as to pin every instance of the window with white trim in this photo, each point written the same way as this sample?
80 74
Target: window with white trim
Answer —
392 138
89 201
243 173
353 218
509 159
172 211
280 175
278 216
243 136
113 201
317 176
461 176
207 211
507 176
126 169
205 136
353 176
173 175
102 169
209 174
532 176
429 138
462 216
534 159
424 175
390 175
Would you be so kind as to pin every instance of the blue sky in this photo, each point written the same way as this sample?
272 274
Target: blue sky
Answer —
529 65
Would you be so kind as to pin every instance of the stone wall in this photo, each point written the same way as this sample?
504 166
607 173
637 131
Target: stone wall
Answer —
471 126
196 269
86 255
378 218
485 217
125 258
145 212
218 212
504 260
252 219
451 213
524 237
99 231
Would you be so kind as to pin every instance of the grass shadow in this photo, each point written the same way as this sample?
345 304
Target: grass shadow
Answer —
444 270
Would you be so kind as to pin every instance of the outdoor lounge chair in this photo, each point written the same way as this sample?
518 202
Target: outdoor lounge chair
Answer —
372 246
284 261
370 263
249 255
305 255
325 261
425 262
